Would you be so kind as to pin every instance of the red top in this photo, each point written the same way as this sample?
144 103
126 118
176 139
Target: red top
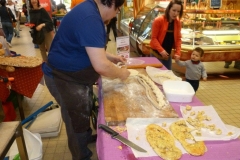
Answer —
159 29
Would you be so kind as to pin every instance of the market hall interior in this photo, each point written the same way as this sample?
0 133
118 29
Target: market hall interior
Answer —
221 90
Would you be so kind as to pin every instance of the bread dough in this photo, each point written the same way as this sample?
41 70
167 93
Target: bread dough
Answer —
133 72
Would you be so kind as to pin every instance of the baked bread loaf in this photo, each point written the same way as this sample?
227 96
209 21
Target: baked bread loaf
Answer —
162 142
183 134
10 69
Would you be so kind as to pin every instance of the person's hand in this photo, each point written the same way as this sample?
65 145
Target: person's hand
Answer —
115 59
177 57
125 73
40 26
164 54
205 79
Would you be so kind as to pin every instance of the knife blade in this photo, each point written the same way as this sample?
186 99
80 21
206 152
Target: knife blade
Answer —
118 137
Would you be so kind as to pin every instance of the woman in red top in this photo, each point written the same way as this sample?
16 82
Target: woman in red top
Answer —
166 32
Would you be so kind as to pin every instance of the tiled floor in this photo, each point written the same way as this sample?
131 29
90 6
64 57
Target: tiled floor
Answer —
222 90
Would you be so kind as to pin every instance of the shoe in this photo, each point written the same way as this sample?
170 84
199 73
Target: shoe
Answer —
9 44
237 67
226 66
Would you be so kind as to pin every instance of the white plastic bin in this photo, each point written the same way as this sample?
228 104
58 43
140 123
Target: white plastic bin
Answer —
33 144
178 91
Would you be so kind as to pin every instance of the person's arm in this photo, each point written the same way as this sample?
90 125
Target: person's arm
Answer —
180 63
204 73
178 41
156 27
73 3
46 21
115 59
11 15
103 66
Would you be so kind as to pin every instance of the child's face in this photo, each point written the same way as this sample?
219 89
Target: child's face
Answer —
195 56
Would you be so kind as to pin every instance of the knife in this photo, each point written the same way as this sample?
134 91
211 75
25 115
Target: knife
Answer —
117 136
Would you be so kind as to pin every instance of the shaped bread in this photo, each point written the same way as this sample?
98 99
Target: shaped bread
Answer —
182 133
162 142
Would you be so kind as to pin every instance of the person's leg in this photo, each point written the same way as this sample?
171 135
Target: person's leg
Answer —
194 84
77 142
15 31
227 64
48 39
8 30
167 63
237 64
77 104
18 28
43 51
45 46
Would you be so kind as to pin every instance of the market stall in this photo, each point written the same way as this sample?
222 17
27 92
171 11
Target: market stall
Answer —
214 30
109 148
27 74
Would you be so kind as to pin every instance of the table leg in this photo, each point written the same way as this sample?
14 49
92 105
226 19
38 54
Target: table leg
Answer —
20 106
21 143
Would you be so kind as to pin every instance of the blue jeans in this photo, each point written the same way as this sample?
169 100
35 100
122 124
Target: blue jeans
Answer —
8 30
166 63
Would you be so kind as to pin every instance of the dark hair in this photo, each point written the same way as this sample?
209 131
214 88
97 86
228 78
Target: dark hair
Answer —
178 2
3 2
199 50
109 3
31 6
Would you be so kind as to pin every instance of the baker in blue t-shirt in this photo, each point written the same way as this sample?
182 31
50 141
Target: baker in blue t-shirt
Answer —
76 59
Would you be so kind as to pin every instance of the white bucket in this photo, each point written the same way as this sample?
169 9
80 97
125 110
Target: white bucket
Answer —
33 143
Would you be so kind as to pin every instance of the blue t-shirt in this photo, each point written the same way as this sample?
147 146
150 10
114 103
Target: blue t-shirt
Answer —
81 27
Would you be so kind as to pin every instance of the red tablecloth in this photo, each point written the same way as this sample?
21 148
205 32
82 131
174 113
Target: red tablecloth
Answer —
107 148
25 81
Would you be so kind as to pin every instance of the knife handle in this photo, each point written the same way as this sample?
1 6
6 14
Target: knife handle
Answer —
108 130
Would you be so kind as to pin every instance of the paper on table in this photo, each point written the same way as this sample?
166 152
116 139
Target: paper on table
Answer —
208 135
154 72
234 130
136 128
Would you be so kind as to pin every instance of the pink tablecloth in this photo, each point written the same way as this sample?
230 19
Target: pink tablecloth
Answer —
107 148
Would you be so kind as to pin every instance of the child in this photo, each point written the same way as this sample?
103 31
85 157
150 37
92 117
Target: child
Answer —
194 68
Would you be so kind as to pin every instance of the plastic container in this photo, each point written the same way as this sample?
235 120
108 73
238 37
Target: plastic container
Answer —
47 124
33 144
178 91
132 61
